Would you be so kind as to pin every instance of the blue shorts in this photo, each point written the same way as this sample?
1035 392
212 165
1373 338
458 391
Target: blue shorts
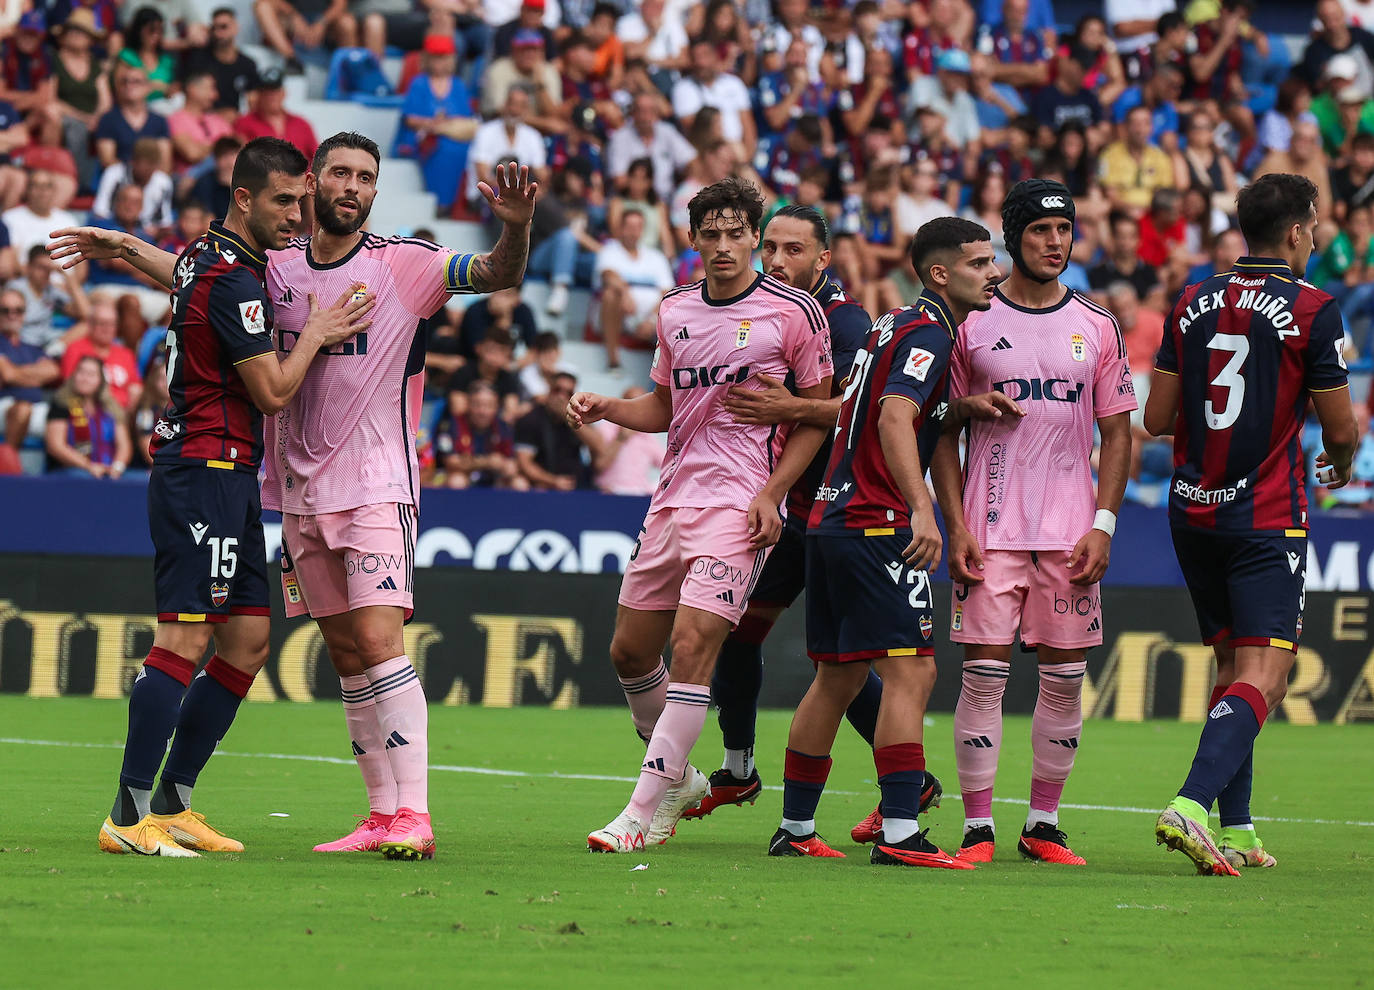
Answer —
210 559
863 602
784 576
1247 590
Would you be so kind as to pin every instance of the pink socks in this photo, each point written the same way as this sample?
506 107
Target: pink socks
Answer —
1055 728
677 731
369 745
404 721
978 735
646 696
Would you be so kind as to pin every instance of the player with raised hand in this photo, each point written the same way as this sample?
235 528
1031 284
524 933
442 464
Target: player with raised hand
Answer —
871 543
1028 537
342 466
1243 353
204 513
718 506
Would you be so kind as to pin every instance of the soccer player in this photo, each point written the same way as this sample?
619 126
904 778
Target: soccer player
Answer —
1243 353
204 513
871 542
718 507
343 467
1028 538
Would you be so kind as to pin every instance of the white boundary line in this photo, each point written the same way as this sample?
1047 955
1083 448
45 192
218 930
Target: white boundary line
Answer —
496 772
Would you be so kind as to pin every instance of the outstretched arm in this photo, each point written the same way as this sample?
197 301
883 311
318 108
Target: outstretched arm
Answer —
72 245
512 202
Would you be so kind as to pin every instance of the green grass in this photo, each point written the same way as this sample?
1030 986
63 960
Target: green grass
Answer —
514 900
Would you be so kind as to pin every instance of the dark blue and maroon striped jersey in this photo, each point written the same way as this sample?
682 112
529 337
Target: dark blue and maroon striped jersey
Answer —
1248 346
221 317
906 357
849 326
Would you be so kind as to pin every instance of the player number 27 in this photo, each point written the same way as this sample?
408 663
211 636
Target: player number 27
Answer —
1229 378
224 559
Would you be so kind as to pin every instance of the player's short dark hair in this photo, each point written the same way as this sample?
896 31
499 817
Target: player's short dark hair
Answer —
941 235
345 139
1270 205
807 214
260 157
731 193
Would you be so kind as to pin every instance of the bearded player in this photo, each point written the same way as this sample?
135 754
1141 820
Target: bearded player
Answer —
1029 539
718 508
341 462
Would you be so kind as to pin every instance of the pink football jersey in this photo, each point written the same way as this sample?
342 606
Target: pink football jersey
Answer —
347 438
1028 482
706 346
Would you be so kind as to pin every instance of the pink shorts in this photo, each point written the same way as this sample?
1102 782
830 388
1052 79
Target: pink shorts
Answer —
338 561
695 557
1030 589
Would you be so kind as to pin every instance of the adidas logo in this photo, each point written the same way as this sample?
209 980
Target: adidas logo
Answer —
1096 624
1070 743
1221 709
387 585
357 750
1002 344
394 740
979 742
727 596
682 335
656 764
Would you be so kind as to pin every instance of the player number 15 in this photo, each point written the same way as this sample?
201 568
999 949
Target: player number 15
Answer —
224 559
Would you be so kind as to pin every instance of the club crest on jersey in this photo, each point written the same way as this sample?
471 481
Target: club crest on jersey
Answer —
742 336
359 293
1079 347
253 317
927 627
292 587
957 623
219 594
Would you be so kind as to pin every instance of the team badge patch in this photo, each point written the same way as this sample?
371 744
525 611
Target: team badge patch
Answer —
1079 347
927 627
359 294
253 317
918 364
742 336
957 623
219 594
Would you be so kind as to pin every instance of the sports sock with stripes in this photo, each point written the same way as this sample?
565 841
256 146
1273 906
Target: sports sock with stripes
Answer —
902 776
404 720
1055 730
677 731
368 743
645 695
154 704
207 711
978 732
803 782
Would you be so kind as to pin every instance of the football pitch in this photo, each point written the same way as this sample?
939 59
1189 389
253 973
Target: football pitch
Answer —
513 898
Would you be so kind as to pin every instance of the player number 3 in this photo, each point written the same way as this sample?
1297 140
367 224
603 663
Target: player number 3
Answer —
224 559
1229 378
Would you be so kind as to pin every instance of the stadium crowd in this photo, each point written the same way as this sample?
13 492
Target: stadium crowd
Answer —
882 114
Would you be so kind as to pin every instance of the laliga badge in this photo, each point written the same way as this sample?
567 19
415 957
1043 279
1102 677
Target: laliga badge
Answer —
1079 347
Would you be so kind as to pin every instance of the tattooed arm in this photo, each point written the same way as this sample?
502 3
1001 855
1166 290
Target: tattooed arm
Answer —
512 202
72 245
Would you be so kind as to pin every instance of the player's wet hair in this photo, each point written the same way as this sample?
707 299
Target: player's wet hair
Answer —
260 157
807 214
1269 207
937 237
730 195
346 139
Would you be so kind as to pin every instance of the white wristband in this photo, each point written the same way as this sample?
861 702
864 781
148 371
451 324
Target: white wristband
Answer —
1105 520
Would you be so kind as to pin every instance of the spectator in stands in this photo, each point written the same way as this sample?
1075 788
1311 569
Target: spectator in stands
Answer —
647 135
491 364
268 116
196 126
26 67
437 123
916 201
1163 232
192 221
650 35
989 190
632 279
562 248
86 431
1342 111
1134 26
25 371
608 64
144 416
785 96
1092 47
477 448
502 311
211 190
1141 327
638 194
533 17
1159 94
1227 249
143 173
1353 183
947 93
1216 66
14 135
1294 103
234 72
308 25
1021 57
130 119
119 368
545 362
1134 167
30 222
1066 100
550 453
507 138
1123 264
630 460
1337 37
708 85
83 94
143 49
582 88
1306 158
1346 271
527 68
873 97
116 273
53 299
1202 165
720 23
